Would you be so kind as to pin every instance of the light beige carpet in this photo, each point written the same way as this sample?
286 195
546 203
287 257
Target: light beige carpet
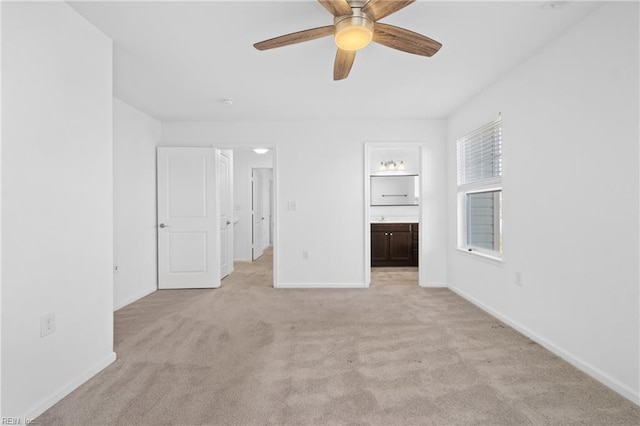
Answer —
404 275
248 354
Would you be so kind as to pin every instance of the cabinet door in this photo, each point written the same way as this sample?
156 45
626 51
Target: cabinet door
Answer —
379 247
401 247
416 239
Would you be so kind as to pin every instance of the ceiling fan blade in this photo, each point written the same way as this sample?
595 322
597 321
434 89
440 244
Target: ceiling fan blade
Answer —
405 40
343 63
378 9
294 38
337 7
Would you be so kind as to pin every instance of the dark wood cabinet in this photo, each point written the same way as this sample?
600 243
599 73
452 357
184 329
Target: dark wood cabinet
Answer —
394 244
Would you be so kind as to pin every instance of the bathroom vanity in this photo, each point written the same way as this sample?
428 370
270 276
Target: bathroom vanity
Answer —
394 244
394 219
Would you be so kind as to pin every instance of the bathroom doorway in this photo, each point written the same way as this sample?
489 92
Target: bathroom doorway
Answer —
393 212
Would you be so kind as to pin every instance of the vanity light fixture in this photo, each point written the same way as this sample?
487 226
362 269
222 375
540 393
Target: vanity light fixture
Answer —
391 165
261 150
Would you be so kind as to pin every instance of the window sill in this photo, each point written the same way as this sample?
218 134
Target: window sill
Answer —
487 258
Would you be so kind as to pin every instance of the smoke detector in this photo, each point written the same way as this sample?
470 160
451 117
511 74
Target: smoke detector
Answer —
554 4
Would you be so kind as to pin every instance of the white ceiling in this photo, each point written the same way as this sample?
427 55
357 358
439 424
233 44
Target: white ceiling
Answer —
177 60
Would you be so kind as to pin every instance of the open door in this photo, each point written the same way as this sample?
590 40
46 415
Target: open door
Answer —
187 246
225 184
258 219
271 215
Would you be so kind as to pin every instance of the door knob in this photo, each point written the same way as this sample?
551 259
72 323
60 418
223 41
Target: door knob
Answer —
162 225
228 222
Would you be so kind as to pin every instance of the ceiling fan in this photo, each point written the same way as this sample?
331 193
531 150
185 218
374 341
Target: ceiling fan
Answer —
355 25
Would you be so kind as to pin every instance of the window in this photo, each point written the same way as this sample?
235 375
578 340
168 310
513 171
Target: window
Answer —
480 190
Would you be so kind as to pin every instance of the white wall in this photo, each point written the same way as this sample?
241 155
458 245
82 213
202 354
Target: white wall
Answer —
244 159
57 203
135 137
570 141
320 167
0 220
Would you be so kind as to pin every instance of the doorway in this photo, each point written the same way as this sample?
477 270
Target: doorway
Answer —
254 211
205 213
393 210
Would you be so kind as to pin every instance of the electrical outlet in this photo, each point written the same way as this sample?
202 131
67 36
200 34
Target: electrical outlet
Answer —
518 279
305 254
47 324
291 206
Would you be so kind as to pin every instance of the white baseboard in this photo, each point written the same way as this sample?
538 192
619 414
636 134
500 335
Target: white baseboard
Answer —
434 284
585 367
132 299
320 285
73 385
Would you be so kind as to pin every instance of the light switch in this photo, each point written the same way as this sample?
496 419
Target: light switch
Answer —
291 206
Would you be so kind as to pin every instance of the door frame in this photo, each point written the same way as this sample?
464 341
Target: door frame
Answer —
368 148
275 198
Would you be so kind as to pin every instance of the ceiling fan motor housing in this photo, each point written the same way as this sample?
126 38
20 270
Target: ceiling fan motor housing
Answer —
357 3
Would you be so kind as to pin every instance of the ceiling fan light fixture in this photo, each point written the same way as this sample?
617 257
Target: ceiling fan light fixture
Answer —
354 33
355 25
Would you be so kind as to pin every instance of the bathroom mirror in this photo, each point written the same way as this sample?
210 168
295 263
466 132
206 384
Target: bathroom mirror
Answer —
398 190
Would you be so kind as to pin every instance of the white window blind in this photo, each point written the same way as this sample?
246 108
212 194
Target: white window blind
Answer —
480 154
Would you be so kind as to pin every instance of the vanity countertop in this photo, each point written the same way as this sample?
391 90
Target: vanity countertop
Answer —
394 219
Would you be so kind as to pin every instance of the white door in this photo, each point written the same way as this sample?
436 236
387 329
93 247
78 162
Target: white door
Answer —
258 213
225 184
266 206
271 198
187 219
